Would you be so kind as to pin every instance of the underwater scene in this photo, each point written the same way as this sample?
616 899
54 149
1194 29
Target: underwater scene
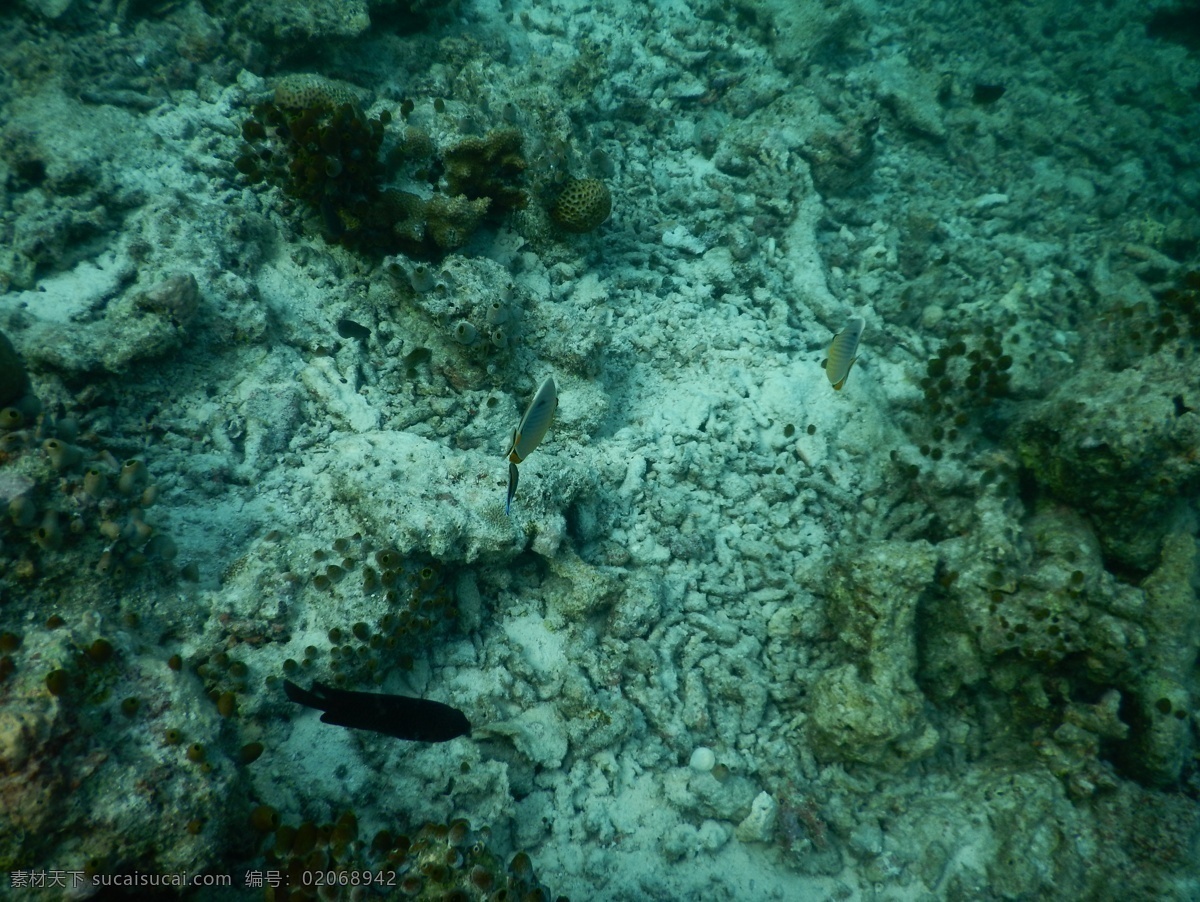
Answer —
600 450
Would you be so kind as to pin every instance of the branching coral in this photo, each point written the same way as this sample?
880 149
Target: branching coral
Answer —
315 142
488 167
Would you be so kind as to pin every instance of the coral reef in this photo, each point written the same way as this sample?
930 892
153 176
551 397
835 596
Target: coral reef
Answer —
870 709
314 140
66 718
1163 730
414 597
1091 665
298 25
326 155
1084 454
931 636
842 160
1120 444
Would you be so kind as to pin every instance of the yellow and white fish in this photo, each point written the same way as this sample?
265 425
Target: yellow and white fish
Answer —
530 432
843 351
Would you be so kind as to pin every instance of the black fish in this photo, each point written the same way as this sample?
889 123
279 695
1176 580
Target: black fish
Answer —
401 716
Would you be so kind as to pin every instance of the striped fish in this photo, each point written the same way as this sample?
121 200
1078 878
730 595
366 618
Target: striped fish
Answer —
843 351
530 432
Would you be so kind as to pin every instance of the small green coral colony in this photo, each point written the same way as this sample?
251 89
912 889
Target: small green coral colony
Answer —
439 861
420 604
480 317
61 490
962 381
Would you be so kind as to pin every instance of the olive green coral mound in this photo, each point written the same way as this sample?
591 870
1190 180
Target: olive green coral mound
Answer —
1118 440
868 708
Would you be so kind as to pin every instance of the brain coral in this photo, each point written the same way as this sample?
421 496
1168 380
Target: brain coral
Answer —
582 205
304 91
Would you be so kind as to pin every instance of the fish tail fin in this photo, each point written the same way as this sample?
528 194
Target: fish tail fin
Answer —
303 696
512 487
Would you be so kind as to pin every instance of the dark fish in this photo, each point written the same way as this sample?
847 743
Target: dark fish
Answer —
348 328
402 716
983 93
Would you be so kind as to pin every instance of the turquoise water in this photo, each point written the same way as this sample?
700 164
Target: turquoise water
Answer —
856 558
